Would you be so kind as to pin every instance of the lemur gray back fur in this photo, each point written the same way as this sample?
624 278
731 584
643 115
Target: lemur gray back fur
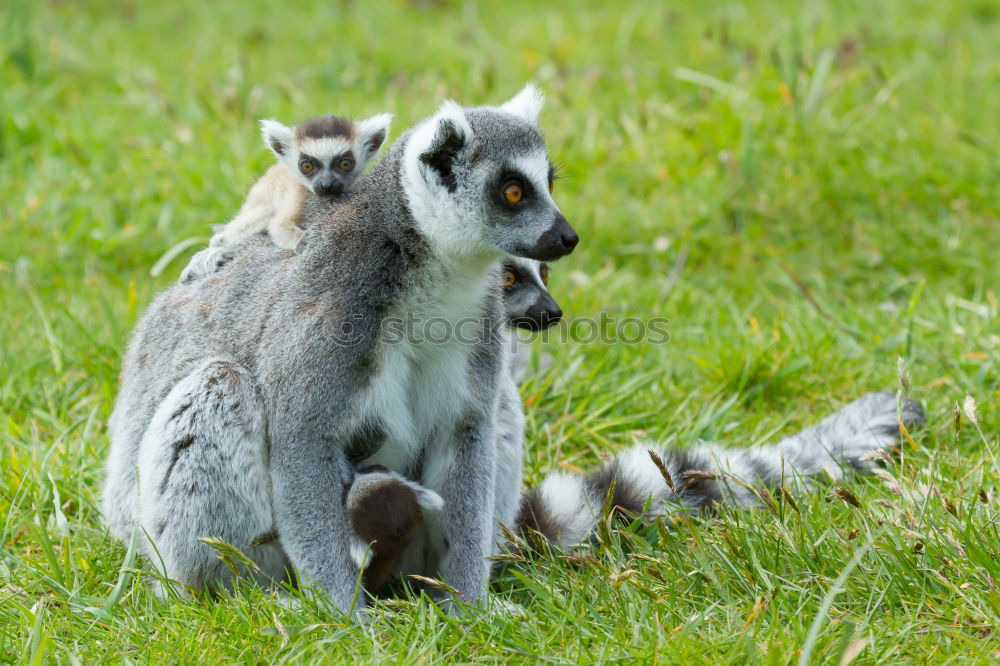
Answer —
298 339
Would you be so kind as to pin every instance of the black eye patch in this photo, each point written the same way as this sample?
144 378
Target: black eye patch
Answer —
309 166
343 162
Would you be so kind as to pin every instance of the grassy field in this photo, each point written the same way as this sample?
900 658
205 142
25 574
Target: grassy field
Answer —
807 190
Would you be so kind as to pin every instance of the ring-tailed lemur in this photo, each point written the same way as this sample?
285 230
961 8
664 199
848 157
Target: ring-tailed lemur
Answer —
565 508
528 306
248 397
322 156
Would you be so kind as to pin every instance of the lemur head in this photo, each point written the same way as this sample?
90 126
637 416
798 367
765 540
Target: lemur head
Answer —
326 154
526 295
479 182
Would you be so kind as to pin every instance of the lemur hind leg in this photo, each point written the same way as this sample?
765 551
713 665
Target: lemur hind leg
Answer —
203 472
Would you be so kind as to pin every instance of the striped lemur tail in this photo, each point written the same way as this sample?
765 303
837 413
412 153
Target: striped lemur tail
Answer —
565 508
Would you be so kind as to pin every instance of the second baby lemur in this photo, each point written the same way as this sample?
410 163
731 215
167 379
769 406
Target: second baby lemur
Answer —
322 155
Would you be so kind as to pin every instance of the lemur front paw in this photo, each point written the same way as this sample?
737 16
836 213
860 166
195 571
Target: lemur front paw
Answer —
206 262
286 236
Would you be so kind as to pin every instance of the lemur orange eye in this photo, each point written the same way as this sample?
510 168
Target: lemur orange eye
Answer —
306 165
552 186
545 274
513 193
509 278
346 163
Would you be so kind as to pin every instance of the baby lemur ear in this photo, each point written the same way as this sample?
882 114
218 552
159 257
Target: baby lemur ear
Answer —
526 104
371 135
277 137
452 138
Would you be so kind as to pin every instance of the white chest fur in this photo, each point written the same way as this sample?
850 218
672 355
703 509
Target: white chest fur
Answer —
416 398
422 385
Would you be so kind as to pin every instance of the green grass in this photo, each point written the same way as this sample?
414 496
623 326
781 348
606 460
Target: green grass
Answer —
821 179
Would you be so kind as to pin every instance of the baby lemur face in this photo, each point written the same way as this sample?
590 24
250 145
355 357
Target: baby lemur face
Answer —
326 154
526 297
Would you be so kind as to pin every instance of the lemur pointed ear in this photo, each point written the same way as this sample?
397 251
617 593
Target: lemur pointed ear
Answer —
277 137
526 104
372 134
452 136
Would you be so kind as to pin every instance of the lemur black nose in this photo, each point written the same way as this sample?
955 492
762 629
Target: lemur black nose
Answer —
329 188
570 239
549 312
566 234
548 318
557 241
543 313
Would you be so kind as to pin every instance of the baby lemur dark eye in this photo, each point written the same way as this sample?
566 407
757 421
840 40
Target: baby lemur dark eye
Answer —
306 165
346 163
513 192
509 278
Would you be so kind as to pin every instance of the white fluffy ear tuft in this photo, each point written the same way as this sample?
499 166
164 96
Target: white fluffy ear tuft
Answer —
526 104
449 141
372 133
277 137
452 111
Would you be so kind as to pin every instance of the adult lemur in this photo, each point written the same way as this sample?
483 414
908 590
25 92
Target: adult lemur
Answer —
248 397
322 156
386 510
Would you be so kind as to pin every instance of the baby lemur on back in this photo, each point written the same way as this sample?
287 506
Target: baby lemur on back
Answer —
322 155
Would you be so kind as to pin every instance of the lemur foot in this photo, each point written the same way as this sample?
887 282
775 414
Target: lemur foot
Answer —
206 262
